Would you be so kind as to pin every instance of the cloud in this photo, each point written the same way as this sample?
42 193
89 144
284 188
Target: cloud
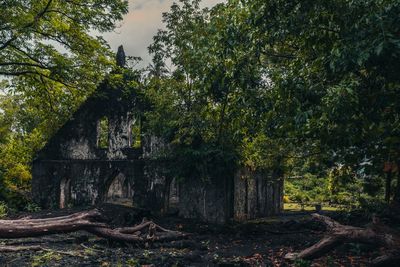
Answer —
141 24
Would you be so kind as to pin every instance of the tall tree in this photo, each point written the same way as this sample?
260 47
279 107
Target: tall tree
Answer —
274 80
50 61
50 40
336 63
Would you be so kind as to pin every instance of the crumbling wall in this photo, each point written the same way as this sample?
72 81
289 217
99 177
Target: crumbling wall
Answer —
155 179
207 200
257 193
120 125
73 169
78 137
89 181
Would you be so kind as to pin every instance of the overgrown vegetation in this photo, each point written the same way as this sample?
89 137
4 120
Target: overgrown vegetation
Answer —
49 63
307 87
300 86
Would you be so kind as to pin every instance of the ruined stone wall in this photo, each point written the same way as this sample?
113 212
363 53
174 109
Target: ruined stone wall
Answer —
257 194
78 138
120 125
89 181
73 153
73 169
210 200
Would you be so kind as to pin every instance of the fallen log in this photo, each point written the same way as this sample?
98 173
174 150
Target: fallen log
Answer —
5 249
14 249
39 227
337 234
89 221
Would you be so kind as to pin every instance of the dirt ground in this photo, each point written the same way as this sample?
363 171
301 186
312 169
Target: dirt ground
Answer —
256 243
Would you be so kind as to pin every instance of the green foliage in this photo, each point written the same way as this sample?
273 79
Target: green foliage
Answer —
46 258
132 263
303 86
32 207
335 64
16 155
208 113
302 263
332 85
136 134
103 129
49 63
3 209
32 34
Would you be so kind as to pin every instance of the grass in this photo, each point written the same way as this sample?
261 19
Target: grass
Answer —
3 209
297 207
45 259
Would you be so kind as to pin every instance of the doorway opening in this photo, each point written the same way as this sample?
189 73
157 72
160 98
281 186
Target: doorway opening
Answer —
65 193
173 199
120 191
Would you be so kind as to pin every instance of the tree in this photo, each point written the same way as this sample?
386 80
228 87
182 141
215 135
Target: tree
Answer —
272 81
49 63
47 52
335 63
50 40
214 89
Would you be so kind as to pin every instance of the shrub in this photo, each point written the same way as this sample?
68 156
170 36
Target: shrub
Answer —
286 199
32 207
3 209
372 205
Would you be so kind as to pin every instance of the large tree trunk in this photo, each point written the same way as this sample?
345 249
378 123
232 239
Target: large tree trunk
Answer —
337 234
90 221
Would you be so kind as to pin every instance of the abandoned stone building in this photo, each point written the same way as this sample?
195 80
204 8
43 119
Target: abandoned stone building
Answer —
101 156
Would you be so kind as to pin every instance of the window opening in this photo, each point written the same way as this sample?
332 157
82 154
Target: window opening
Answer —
102 133
136 140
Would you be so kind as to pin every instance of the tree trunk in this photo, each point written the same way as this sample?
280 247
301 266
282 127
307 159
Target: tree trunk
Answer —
89 221
337 234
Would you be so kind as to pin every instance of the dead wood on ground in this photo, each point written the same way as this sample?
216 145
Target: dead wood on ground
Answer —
90 221
376 234
4 249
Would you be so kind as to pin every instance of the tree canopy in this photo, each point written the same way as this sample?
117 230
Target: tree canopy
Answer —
273 83
50 60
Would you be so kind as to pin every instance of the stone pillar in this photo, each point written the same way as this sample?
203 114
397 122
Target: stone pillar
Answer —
156 187
120 125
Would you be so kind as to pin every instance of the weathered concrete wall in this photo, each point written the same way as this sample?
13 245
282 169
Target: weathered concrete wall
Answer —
120 125
257 194
210 201
73 160
153 147
155 181
89 181
77 139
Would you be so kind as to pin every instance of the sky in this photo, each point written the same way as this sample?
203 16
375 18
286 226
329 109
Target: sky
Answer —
139 26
